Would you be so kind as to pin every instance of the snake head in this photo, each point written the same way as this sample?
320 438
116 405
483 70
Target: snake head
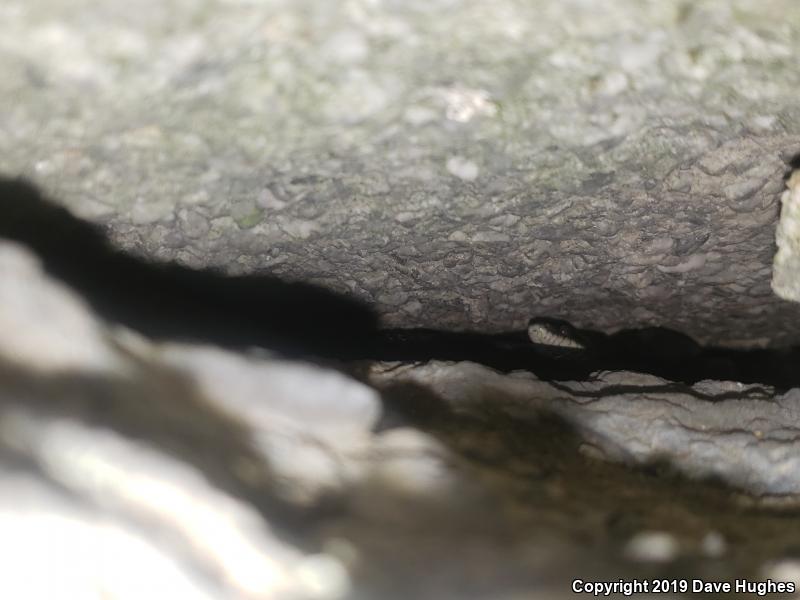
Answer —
556 333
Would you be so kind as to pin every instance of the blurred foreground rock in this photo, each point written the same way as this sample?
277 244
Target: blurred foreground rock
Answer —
131 469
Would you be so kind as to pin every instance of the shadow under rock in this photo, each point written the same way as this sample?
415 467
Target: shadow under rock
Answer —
171 301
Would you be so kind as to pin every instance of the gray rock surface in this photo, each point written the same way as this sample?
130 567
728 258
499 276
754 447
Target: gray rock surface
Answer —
742 435
459 164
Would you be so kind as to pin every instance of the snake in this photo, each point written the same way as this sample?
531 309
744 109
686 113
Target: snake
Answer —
554 334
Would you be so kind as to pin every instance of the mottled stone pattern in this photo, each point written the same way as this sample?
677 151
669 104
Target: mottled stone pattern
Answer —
459 163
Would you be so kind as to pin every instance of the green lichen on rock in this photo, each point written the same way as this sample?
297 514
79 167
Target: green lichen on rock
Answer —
246 214
250 220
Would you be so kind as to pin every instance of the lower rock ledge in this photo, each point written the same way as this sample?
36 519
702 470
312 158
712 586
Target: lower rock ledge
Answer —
186 471
742 435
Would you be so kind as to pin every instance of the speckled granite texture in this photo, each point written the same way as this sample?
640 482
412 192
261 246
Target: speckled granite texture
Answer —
458 163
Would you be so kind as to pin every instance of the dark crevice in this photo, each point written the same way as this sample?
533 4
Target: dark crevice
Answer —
656 351
752 391
168 301
794 164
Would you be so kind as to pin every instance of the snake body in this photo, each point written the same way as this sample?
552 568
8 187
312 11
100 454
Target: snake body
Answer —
556 339
555 335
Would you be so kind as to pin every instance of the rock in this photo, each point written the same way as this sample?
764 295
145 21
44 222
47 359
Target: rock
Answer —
44 325
740 434
786 267
190 471
607 133
652 546
455 165
114 445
